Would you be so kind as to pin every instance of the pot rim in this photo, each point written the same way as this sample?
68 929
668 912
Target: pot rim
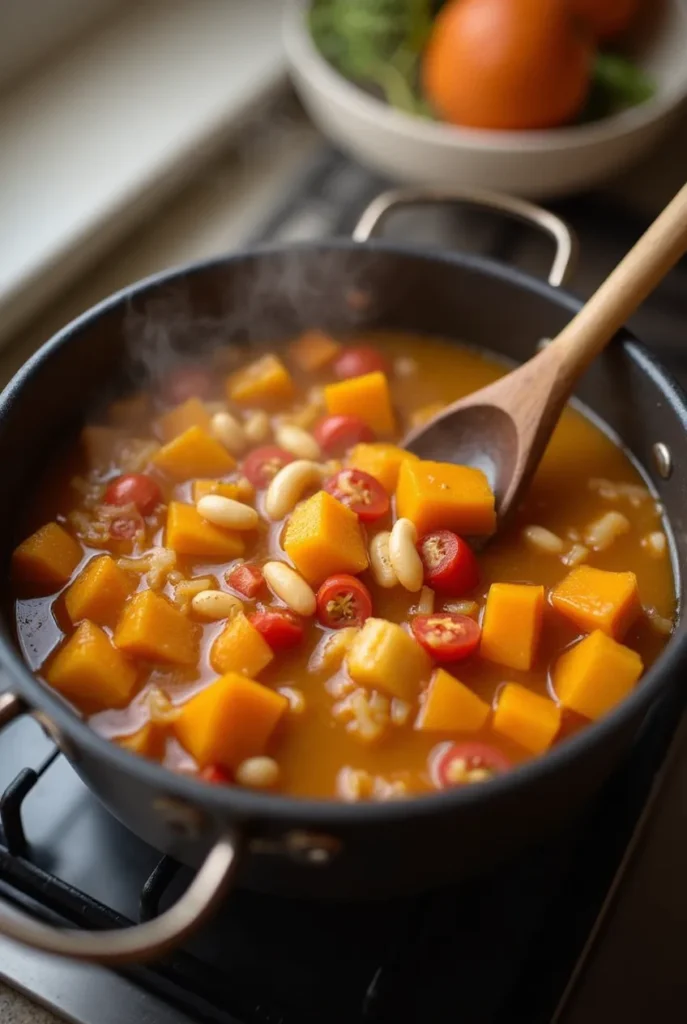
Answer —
252 806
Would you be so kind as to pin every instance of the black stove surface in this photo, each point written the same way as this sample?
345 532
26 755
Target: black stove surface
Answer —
497 950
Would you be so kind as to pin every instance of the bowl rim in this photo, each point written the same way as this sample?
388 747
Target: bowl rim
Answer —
255 808
308 65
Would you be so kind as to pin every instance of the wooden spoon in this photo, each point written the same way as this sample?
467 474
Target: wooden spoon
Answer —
504 428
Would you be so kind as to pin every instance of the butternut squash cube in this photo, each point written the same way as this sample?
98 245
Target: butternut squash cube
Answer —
595 675
99 592
527 718
191 454
266 383
367 397
240 648
323 537
240 490
512 624
47 558
439 495
148 741
450 706
188 533
90 671
230 720
153 629
384 657
191 413
382 461
313 350
597 599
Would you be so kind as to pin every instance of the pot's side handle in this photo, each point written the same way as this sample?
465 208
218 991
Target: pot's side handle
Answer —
563 237
140 942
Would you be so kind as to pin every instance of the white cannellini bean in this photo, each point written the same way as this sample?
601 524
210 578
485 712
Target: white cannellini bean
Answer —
380 562
291 588
405 560
405 366
541 539
232 515
659 622
229 431
578 553
655 543
604 531
425 605
214 605
256 426
288 485
258 773
297 441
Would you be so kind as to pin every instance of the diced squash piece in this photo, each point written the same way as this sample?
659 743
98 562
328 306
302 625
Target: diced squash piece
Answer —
47 558
384 657
441 496
332 649
450 706
153 629
99 592
193 453
266 383
89 670
240 490
595 675
323 537
597 599
527 718
100 446
230 720
148 741
368 398
382 461
189 534
191 413
512 624
313 350
240 648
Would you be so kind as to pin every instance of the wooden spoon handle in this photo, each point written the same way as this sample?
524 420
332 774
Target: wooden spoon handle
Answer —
624 290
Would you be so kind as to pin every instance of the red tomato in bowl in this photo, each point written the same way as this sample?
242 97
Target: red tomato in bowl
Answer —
449 562
263 464
456 764
356 362
446 635
281 629
215 774
336 434
247 579
343 600
134 489
361 493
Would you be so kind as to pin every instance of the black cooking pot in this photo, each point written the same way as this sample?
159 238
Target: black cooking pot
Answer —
304 847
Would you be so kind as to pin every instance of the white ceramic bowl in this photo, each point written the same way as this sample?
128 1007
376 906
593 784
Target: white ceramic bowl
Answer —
536 164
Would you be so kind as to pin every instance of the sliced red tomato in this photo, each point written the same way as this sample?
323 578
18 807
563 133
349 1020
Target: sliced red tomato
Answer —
281 629
456 764
134 489
450 564
247 579
446 635
216 774
354 362
336 434
361 493
263 464
343 600
186 382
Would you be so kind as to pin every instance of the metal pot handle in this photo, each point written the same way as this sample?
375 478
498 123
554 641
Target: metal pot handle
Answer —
142 941
520 209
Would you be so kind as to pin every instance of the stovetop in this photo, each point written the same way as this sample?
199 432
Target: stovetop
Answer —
497 950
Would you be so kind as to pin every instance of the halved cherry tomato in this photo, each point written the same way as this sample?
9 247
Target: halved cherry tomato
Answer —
247 579
355 362
361 492
263 464
342 600
450 565
134 489
456 764
280 629
186 382
216 774
336 434
446 635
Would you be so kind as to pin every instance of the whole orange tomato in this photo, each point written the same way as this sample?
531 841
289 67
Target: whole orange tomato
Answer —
607 18
507 64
